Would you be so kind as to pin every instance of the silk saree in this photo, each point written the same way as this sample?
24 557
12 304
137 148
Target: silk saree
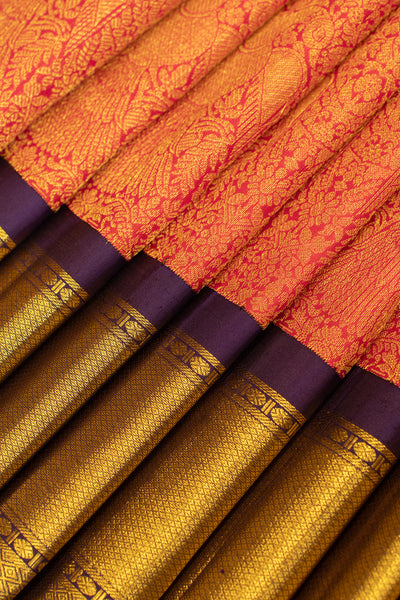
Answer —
200 276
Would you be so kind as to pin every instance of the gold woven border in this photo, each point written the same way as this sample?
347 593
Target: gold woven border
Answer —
194 361
55 284
6 243
80 579
20 559
198 367
124 321
352 444
265 404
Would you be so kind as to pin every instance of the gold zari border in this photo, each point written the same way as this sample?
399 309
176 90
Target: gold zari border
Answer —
192 359
124 321
194 369
6 244
265 404
353 444
39 299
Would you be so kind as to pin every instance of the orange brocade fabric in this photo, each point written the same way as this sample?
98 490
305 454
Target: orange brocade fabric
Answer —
383 356
333 313
61 150
242 200
175 160
49 47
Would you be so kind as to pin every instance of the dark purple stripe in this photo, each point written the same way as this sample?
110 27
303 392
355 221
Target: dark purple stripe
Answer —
79 249
220 326
291 369
152 288
371 403
21 207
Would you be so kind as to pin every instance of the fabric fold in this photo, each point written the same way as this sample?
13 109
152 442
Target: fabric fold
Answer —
49 48
62 149
277 275
279 532
129 92
132 413
174 501
195 231
50 282
364 562
174 161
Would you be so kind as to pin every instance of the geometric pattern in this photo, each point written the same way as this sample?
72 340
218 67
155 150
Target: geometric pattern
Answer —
40 299
264 404
129 418
279 532
6 244
19 559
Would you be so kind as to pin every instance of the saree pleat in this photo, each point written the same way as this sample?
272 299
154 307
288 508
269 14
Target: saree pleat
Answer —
129 92
293 515
364 562
26 328
175 160
52 283
168 508
133 412
337 103
254 160
48 48
302 502
87 345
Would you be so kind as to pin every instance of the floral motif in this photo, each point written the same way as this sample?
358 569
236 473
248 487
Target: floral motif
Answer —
110 108
340 312
178 348
48 48
200 366
243 199
86 585
23 548
365 452
136 330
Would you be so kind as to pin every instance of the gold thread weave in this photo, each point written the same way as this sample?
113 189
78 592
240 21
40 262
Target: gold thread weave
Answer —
365 562
81 467
296 510
50 387
39 300
172 505
6 244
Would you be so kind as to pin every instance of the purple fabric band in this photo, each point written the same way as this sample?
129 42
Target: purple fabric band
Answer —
152 288
371 403
79 249
21 208
291 369
220 326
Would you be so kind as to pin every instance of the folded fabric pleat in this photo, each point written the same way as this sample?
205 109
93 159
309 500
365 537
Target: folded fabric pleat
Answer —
364 562
63 148
203 468
175 160
338 105
127 419
80 357
87 344
274 538
350 292
48 48
172 247
50 281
